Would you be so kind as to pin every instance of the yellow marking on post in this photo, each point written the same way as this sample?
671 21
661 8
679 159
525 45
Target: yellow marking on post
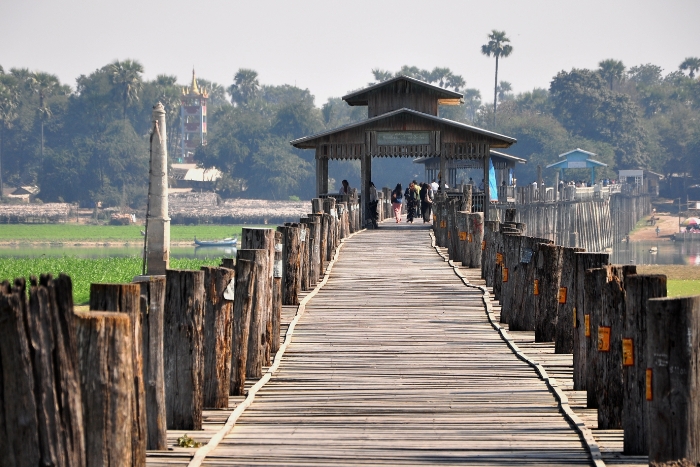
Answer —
603 338
483 245
562 295
627 351
587 324
575 321
536 288
463 236
505 275
649 375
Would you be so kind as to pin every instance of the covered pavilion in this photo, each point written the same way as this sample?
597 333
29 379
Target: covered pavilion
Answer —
402 122
577 159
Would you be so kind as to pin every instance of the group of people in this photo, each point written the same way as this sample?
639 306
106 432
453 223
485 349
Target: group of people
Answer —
418 198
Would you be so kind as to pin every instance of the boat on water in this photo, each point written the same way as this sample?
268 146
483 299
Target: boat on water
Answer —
224 242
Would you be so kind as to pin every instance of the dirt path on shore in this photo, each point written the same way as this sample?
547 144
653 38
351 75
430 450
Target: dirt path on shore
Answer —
667 224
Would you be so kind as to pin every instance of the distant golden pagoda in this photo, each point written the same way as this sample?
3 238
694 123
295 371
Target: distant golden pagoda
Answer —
193 119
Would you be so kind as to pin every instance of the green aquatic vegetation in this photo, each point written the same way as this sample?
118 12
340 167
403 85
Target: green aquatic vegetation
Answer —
84 272
110 233
681 288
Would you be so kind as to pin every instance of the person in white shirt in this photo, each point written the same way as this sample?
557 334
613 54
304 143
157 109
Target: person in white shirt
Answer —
345 188
434 186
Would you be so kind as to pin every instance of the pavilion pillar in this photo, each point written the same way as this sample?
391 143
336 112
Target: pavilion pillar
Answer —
441 172
487 184
365 178
158 222
321 175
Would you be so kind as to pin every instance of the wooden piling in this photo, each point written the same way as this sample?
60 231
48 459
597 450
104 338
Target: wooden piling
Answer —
152 322
564 338
263 239
125 298
107 379
218 328
548 276
246 277
673 377
274 325
583 261
182 350
594 282
256 340
638 290
291 265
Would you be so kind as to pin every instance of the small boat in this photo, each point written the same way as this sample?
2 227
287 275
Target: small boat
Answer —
224 242
653 250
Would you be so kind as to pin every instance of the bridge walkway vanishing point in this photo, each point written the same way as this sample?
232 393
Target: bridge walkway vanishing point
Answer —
395 362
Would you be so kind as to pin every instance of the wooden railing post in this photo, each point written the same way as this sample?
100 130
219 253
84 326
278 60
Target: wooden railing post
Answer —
638 290
152 324
264 239
564 339
475 235
278 274
594 282
315 256
243 304
107 376
182 350
548 276
218 328
291 264
673 376
43 418
583 262
609 390
488 252
125 298
256 340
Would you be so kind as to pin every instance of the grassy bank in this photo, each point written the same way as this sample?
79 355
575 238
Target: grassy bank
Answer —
110 233
83 272
682 279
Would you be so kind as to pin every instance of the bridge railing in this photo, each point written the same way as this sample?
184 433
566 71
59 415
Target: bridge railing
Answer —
152 354
625 337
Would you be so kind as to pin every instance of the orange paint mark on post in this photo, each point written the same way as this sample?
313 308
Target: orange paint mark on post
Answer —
627 351
603 338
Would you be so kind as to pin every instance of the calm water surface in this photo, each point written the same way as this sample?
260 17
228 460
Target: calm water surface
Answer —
661 252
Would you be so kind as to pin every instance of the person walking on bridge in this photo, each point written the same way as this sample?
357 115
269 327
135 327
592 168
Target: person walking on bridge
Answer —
396 201
426 201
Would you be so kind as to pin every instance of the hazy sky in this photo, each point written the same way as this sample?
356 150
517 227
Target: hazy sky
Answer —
330 47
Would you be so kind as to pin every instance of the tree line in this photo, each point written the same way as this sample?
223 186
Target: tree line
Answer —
89 142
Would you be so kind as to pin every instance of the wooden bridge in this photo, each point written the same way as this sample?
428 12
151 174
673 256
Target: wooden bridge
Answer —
395 361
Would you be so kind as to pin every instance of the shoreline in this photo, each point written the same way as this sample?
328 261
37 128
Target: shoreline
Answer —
105 244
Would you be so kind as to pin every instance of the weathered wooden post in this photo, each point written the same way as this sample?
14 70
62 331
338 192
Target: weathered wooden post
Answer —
638 290
256 340
564 339
246 277
291 264
274 332
152 322
317 205
107 379
475 237
594 282
673 378
488 252
304 255
548 296
218 328
183 357
462 231
38 348
263 239
317 230
583 261
330 209
609 390
126 298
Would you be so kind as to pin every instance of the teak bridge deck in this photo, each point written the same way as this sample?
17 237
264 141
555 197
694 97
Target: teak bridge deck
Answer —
395 362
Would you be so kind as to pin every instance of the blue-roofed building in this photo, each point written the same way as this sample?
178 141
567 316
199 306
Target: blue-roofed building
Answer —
577 159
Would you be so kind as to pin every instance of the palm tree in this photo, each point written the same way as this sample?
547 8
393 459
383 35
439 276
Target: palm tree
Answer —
381 75
504 88
245 86
692 64
45 85
126 75
497 47
9 101
611 70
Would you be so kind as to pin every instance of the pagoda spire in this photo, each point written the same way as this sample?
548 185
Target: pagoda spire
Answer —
194 87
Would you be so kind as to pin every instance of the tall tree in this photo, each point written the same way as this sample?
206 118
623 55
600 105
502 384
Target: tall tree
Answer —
9 100
126 76
45 85
245 86
498 47
692 64
611 71
504 90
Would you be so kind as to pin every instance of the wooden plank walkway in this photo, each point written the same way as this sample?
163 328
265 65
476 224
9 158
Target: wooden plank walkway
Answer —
394 362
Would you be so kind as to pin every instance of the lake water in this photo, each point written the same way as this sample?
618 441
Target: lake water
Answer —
661 252
24 251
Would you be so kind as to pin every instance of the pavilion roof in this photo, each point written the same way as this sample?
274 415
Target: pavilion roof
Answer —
444 96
